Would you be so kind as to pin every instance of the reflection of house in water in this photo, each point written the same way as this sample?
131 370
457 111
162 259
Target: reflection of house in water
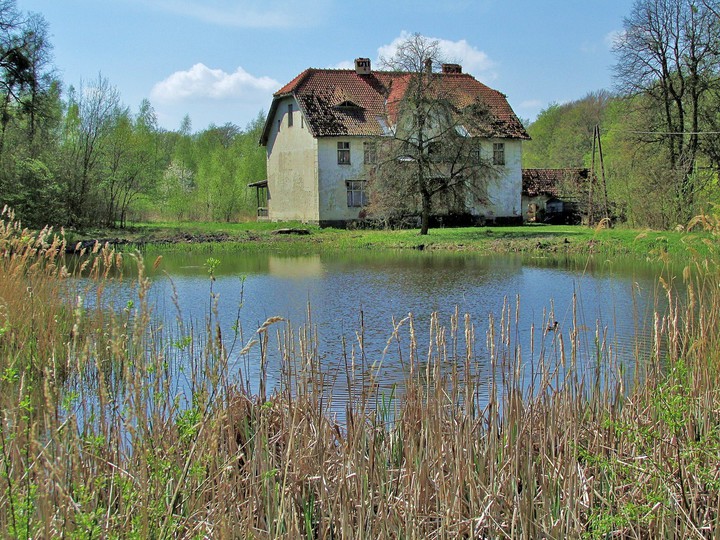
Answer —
295 267
555 195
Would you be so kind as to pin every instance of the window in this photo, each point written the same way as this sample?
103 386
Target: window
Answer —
356 196
498 153
475 155
343 149
370 149
290 115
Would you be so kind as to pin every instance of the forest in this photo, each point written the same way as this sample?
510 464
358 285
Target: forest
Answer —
659 127
77 156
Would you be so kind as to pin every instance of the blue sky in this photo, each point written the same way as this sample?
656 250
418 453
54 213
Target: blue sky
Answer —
220 60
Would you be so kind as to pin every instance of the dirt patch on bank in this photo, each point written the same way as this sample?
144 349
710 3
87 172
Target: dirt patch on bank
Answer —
177 238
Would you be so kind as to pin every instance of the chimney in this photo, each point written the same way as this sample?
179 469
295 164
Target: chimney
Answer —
428 65
451 68
362 66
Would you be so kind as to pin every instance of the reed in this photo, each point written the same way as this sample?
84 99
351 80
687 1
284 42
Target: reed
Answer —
116 425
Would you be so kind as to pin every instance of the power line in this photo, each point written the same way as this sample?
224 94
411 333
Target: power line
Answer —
662 132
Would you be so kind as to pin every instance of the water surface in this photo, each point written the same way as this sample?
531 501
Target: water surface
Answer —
348 297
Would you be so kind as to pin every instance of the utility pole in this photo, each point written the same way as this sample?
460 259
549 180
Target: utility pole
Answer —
591 181
597 143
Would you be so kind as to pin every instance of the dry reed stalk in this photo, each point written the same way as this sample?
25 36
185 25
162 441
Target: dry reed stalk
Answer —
115 426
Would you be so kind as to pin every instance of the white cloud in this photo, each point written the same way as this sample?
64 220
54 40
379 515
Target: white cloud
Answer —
473 60
609 41
530 104
614 38
201 81
344 64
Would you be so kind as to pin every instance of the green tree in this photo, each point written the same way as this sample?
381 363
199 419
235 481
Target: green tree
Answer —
227 160
669 54
252 165
562 135
31 112
15 72
177 184
91 118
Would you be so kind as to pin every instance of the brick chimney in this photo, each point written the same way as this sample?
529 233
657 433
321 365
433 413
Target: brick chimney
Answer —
451 68
428 65
362 66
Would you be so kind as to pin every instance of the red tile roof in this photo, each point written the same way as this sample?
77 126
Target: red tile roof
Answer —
548 181
326 98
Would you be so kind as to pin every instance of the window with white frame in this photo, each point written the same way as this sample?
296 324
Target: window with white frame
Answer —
499 153
370 149
290 115
343 153
356 196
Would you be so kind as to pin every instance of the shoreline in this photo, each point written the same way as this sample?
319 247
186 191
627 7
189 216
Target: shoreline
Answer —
528 239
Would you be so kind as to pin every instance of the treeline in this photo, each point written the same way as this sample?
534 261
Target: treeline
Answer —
660 129
641 185
80 157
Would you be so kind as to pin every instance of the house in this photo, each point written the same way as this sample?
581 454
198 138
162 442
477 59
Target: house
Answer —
554 195
322 131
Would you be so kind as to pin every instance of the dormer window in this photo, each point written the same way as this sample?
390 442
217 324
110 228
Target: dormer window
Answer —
347 104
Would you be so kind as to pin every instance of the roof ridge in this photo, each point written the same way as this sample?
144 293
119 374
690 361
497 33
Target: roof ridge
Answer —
379 93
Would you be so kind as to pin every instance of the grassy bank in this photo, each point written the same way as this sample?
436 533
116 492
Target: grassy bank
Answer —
114 426
552 239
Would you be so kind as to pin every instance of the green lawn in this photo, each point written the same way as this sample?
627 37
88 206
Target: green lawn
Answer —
559 239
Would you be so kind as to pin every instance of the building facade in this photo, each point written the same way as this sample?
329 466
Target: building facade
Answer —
324 127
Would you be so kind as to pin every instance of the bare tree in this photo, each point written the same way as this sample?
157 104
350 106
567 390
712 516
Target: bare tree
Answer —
89 123
432 155
668 55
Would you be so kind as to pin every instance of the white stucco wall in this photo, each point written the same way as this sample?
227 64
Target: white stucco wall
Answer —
504 192
292 168
332 177
306 183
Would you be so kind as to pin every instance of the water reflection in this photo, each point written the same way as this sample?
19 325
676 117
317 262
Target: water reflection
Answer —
295 267
353 302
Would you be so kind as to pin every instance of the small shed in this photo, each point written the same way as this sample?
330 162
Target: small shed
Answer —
553 195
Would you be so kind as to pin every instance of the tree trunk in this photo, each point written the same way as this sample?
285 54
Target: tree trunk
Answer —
425 213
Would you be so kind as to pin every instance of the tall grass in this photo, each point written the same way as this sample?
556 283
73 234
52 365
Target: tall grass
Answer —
115 426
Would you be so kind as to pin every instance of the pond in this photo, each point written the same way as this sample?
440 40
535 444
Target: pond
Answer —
604 308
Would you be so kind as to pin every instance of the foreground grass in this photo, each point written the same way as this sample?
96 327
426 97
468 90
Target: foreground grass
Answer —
554 239
113 426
